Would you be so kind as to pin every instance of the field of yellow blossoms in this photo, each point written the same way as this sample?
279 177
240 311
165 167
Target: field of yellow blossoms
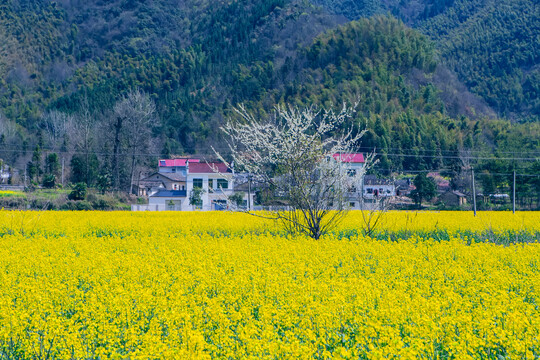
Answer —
176 285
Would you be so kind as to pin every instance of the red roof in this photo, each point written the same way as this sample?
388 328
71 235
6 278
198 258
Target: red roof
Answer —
176 162
350 158
206 168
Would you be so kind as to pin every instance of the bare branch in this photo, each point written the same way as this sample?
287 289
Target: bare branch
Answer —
294 152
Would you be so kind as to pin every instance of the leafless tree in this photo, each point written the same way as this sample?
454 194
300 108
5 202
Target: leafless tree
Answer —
136 115
293 153
83 135
58 126
7 128
373 213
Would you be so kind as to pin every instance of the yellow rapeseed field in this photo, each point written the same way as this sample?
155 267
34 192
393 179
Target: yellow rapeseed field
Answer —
174 285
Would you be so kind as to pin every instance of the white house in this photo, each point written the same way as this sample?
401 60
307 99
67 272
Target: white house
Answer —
353 164
378 188
369 187
215 180
4 173
179 181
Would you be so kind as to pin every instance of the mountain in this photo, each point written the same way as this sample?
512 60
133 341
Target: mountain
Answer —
493 46
435 81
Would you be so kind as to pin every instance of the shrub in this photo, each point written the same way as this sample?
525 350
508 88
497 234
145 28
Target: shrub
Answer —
78 192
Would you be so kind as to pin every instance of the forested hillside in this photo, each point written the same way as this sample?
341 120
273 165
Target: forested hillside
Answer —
493 46
66 67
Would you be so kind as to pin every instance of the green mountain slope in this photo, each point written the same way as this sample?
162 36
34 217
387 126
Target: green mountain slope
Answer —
495 49
493 46
197 59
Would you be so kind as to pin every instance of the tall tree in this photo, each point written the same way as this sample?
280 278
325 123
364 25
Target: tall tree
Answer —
136 116
85 132
426 189
294 153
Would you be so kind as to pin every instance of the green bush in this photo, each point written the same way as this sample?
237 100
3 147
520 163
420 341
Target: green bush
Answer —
49 181
78 192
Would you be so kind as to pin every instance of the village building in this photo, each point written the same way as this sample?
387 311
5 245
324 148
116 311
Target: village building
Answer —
403 187
353 163
161 181
189 184
378 188
453 198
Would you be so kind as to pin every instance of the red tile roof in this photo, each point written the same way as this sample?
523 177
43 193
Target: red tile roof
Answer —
350 158
208 168
176 162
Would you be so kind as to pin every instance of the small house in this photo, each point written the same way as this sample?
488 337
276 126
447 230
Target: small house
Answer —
189 184
161 180
378 188
453 198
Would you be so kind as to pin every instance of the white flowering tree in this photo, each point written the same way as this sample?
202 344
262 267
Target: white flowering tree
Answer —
293 154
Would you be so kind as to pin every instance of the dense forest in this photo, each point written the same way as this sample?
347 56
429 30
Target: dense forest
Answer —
493 46
432 79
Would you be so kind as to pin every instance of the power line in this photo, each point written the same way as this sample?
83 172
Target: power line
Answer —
140 154
457 152
458 157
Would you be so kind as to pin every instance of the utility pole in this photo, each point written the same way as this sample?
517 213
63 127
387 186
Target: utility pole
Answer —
514 194
62 171
473 192
249 192
139 184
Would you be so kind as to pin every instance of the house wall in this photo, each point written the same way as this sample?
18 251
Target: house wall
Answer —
207 196
164 203
169 184
173 169
452 199
388 190
210 199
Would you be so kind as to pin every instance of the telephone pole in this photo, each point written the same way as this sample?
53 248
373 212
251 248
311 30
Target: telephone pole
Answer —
249 192
62 172
514 194
473 192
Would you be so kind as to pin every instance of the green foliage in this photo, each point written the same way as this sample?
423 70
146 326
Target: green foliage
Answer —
195 197
494 47
79 192
104 183
426 189
198 59
49 181
84 168
52 164
237 198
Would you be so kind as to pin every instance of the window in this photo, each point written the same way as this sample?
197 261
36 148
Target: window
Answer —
351 204
222 184
197 183
369 191
210 185
351 172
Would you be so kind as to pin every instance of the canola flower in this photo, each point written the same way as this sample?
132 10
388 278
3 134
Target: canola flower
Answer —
9 193
116 285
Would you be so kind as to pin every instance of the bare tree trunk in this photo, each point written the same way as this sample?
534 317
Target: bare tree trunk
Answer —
132 172
116 150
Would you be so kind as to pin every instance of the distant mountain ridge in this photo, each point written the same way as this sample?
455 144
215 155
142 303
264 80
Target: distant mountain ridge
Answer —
462 65
493 46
